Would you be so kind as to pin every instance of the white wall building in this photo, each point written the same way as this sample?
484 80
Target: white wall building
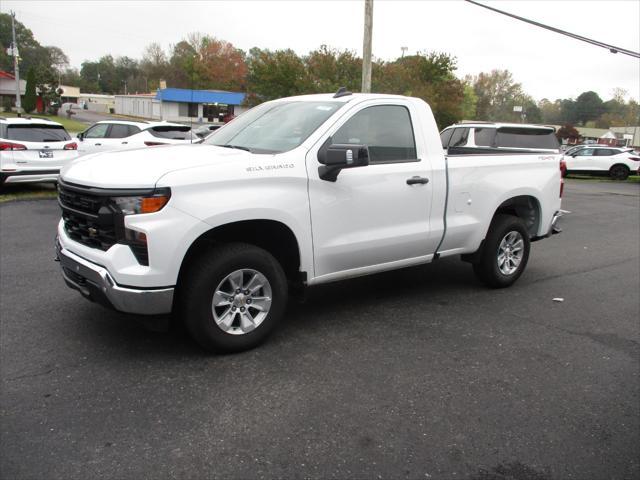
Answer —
182 105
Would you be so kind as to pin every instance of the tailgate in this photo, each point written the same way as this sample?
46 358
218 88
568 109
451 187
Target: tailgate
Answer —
38 156
41 146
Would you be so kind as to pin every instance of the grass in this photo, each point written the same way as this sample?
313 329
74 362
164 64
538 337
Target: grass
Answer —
69 124
27 191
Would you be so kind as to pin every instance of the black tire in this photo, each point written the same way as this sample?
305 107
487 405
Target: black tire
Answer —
200 283
487 269
619 172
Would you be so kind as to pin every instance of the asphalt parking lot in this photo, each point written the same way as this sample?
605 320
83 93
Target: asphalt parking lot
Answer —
420 373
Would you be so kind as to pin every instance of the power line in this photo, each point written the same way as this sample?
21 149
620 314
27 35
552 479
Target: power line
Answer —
611 48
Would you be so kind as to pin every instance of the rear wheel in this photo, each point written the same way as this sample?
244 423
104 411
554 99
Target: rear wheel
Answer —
233 297
505 252
619 172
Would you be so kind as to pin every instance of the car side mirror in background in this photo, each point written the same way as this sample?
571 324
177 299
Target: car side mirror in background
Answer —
81 136
336 157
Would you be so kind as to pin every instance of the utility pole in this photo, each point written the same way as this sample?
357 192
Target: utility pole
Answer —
404 49
16 67
366 47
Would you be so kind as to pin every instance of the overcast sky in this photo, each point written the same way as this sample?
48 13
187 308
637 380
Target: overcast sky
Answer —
547 64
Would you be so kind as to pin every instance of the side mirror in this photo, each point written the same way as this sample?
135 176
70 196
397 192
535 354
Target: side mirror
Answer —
336 157
81 136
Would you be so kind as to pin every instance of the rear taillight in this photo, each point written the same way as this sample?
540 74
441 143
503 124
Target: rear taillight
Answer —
635 159
71 146
153 144
11 146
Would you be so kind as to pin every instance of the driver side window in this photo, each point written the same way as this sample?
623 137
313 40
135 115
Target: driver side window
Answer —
585 152
97 131
385 129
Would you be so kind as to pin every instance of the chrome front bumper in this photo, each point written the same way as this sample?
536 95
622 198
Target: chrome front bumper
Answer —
95 283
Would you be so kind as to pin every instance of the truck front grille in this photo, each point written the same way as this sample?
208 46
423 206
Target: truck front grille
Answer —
89 219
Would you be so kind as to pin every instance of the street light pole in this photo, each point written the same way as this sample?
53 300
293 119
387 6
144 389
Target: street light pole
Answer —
366 48
16 67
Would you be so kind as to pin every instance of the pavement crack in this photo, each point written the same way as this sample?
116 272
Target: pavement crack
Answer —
30 375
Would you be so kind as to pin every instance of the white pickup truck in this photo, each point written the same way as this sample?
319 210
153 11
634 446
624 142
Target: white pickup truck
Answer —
296 192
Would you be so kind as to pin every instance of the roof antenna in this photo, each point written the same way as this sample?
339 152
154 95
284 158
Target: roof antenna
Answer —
342 92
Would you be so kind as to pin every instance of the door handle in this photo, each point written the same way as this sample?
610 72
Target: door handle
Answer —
417 180
125 143
97 144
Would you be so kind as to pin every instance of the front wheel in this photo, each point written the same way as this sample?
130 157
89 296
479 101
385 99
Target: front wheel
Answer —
233 297
619 172
505 252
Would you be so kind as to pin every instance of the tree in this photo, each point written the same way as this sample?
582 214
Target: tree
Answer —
223 64
329 69
588 106
429 76
184 71
568 111
154 66
550 112
275 74
567 131
497 94
531 110
29 102
32 54
70 76
469 102
89 75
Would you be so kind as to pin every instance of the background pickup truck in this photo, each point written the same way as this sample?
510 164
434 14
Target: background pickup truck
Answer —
295 192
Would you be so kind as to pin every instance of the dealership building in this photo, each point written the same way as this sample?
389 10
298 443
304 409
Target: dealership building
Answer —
182 105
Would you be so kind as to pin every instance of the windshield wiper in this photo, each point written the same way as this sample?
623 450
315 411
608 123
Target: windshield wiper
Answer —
228 145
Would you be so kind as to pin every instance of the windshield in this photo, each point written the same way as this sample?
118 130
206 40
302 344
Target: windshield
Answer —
173 132
274 127
37 132
516 137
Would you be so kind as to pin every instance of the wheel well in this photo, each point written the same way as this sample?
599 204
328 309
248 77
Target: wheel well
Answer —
525 207
619 165
274 237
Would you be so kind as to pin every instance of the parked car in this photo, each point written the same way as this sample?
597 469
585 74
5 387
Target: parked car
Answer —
295 192
616 162
499 137
33 150
121 135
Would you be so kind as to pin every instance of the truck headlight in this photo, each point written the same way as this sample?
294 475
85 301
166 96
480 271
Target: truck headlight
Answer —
133 204
143 204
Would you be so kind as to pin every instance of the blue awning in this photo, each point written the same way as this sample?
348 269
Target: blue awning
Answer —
185 95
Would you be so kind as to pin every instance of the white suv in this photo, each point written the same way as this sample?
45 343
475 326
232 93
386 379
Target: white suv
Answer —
33 150
487 137
616 162
121 135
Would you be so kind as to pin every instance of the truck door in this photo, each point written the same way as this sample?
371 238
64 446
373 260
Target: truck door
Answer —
373 215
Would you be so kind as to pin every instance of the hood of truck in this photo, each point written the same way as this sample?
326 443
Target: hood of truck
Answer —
142 167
